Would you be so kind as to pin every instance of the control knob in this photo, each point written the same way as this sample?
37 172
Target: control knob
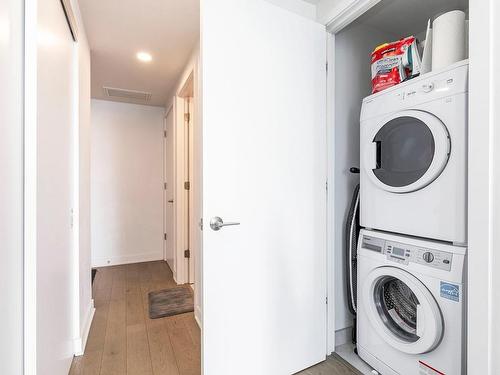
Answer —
428 257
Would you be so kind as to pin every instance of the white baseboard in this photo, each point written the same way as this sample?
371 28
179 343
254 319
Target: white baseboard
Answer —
81 342
343 336
126 259
197 316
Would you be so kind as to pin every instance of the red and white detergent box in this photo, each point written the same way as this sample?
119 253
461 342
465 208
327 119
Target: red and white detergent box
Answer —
395 62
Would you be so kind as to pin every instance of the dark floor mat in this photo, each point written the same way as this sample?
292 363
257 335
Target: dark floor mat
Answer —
169 302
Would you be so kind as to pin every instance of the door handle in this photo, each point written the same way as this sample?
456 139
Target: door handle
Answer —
217 223
171 201
378 154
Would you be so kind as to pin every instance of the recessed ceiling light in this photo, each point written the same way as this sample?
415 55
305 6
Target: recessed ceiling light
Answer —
144 56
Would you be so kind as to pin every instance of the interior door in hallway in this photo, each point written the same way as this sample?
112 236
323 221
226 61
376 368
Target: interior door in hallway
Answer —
54 252
169 189
264 166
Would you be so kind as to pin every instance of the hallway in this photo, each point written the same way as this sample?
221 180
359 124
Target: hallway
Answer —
123 340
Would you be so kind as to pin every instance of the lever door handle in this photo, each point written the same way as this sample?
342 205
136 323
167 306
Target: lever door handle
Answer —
217 223
171 201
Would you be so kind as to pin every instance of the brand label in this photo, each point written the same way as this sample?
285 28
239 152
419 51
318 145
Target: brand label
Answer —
450 291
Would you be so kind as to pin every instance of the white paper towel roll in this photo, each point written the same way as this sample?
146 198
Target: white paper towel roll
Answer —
448 39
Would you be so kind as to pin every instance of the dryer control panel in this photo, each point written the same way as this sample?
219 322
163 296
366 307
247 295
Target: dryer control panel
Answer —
405 253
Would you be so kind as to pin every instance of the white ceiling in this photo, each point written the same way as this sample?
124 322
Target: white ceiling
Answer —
118 29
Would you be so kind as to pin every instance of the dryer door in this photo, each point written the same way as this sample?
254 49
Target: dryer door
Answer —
402 310
407 151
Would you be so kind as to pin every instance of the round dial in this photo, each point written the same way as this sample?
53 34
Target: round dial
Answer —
428 257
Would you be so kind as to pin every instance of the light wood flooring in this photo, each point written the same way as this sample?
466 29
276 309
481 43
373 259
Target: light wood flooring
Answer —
124 341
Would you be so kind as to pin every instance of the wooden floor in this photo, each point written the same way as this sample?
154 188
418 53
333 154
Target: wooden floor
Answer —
124 341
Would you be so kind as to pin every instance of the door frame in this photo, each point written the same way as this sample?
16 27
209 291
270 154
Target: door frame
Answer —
483 332
183 202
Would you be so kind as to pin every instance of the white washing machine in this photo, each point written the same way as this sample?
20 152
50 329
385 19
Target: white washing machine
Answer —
414 157
411 305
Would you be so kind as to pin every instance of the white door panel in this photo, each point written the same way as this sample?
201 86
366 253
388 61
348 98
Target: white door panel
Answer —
54 190
264 165
169 148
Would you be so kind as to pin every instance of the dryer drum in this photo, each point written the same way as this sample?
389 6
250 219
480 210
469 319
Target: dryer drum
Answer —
397 306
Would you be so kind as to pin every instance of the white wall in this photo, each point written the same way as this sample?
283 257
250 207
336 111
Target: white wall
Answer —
51 200
483 338
300 7
82 189
126 183
353 82
11 188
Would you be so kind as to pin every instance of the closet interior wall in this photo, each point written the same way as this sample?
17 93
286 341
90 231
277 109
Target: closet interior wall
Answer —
387 21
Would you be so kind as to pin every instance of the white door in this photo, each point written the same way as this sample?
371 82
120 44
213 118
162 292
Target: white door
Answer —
264 166
169 150
54 281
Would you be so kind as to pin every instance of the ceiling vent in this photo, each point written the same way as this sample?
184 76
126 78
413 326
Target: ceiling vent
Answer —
111 92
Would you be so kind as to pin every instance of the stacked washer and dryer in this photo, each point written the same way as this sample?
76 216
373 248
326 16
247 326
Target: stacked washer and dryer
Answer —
411 261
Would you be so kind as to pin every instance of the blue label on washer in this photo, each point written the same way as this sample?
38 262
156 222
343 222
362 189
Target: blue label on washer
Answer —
450 291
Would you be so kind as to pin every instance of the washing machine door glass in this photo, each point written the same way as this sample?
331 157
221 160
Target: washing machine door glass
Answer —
397 307
411 149
402 310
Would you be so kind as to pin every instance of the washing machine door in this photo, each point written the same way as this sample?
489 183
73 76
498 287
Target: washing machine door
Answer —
407 151
402 310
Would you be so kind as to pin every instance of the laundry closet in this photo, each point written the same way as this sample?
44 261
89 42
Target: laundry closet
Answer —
386 203
301 104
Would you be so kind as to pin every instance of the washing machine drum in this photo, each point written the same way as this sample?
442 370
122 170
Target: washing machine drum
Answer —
408 150
402 310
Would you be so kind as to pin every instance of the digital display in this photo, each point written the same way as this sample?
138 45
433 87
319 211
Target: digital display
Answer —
398 251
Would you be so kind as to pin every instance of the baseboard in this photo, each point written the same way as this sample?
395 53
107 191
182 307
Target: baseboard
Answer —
343 336
126 259
197 316
81 342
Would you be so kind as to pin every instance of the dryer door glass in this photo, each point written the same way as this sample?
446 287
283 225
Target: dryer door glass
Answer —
397 307
405 149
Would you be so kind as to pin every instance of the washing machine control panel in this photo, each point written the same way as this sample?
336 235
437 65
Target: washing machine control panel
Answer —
405 253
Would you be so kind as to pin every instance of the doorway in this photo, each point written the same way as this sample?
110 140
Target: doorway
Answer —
181 186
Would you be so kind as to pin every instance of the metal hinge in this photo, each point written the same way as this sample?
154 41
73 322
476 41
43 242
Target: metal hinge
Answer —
164 186
187 117
164 134
187 185
327 300
165 236
326 66
187 253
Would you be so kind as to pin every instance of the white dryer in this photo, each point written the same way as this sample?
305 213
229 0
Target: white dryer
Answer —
413 142
411 305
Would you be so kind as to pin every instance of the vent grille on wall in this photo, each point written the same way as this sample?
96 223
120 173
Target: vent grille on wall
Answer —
112 92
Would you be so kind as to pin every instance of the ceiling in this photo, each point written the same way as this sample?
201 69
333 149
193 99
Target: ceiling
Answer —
118 29
407 17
